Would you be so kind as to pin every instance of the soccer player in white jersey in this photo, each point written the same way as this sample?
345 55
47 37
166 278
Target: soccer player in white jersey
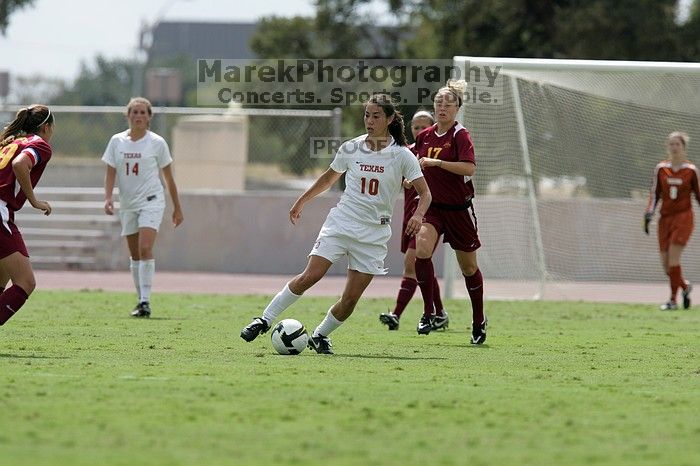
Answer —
359 225
134 159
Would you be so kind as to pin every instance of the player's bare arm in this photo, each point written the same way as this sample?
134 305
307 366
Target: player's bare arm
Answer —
172 190
414 223
323 183
22 165
458 168
110 176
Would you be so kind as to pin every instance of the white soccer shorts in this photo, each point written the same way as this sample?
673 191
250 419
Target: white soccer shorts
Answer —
363 257
132 220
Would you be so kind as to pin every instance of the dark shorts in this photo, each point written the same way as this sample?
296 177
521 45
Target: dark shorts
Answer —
675 229
11 240
457 226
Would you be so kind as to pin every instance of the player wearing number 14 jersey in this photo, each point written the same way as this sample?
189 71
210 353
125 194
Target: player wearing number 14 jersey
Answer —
359 226
134 159
675 182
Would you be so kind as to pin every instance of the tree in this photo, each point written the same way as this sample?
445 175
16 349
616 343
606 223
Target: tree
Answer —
690 34
340 29
619 29
598 29
285 37
7 7
106 82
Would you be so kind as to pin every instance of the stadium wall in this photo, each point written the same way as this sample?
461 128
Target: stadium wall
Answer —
251 233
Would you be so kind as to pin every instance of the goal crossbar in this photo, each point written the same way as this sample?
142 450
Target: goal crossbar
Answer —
541 64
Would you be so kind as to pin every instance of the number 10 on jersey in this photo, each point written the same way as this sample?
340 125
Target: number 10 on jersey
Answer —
132 169
371 187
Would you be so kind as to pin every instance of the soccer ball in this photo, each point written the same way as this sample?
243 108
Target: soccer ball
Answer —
289 337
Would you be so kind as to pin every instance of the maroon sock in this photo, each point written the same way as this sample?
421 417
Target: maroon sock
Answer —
11 300
408 288
436 298
676 280
683 283
475 288
425 275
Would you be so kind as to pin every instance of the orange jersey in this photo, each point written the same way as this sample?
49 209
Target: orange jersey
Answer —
673 188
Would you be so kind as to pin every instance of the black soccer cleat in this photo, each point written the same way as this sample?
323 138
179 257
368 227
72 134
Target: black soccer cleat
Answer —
425 324
686 296
441 322
321 344
255 328
390 320
142 310
479 332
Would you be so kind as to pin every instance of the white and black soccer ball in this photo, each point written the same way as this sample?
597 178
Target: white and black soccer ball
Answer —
289 337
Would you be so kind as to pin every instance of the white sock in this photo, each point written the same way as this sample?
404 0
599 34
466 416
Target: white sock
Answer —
279 303
327 325
147 269
134 266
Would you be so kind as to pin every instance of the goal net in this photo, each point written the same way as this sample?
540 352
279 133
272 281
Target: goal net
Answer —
566 151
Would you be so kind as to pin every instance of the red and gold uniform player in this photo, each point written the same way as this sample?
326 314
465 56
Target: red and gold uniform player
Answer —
675 182
420 121
446 155
24 153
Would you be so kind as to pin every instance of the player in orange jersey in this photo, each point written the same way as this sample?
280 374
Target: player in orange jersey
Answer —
675 180
24 153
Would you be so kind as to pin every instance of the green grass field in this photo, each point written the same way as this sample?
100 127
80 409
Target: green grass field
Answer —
556 384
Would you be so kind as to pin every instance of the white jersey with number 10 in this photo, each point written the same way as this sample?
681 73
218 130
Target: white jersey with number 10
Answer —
372 180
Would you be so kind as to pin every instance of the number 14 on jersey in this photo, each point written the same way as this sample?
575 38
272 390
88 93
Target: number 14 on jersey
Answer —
132 169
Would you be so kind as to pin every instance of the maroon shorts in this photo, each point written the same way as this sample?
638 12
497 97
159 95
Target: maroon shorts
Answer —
11 240
458 226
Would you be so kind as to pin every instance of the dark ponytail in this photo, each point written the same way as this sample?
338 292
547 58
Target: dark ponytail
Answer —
28 120
396 127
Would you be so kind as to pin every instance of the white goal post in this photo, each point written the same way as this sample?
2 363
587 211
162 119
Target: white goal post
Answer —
565 152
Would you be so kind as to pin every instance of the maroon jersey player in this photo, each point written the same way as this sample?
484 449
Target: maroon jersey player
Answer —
421 120
24 153
446 155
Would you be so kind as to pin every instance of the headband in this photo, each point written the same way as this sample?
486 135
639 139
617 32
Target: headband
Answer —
456 94
47 117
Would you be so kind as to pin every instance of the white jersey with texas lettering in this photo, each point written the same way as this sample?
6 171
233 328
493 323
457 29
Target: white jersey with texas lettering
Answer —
372 182
138 165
